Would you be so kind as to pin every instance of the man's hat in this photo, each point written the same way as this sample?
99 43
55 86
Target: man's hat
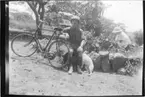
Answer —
117 30
75 18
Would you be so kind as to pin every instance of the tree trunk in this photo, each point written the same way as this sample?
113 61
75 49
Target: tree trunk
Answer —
39 12
41 17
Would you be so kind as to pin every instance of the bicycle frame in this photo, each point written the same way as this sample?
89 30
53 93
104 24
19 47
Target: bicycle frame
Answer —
51 37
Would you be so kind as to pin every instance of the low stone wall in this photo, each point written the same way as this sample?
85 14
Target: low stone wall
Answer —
14 32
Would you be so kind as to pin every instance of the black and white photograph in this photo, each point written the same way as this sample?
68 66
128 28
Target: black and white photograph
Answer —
75 47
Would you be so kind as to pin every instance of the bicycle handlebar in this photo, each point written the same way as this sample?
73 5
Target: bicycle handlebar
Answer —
41 21
56 29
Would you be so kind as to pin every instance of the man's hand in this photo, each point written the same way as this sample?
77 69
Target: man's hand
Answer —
83 43
80 49
64 36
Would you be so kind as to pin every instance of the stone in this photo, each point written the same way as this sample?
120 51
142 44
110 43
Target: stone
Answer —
118 61
105 64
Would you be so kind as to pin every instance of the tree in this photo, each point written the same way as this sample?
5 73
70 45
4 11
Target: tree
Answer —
38 7
89 12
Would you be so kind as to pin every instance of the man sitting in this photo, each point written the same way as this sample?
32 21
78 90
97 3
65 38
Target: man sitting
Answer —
76 42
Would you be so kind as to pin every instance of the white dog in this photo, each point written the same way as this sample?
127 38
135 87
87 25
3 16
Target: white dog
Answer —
88 63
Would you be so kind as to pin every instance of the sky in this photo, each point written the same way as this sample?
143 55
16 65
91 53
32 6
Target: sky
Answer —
128 12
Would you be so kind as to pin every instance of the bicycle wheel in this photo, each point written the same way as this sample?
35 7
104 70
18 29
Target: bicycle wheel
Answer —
24 45
57 50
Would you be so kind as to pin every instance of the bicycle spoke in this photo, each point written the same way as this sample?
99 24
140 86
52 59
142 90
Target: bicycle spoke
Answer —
59 48
22 45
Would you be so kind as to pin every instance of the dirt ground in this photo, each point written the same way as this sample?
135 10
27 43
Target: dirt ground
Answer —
34 76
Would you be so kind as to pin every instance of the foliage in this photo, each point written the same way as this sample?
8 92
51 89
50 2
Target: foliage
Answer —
132 66
30 26
89 12
21 16
138 35
38 9
22 21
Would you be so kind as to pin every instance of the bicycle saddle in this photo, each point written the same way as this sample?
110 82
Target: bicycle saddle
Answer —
58 29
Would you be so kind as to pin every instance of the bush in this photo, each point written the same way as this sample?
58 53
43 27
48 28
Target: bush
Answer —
22 25
133 66
138 36
22 21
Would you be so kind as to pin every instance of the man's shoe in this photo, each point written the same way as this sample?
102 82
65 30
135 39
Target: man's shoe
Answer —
79 70
70 70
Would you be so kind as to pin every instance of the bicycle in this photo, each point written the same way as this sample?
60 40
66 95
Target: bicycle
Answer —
32 44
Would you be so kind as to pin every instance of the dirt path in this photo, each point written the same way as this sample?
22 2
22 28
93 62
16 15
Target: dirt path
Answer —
34 76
